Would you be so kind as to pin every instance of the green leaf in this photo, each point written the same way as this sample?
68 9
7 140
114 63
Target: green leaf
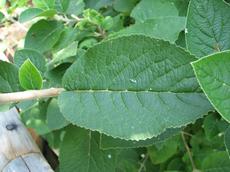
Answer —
182 6
43 35
63 55
208 27
44 4
25 105
54 76
108 142
68 36
2 16
29 76
70 6
5 107
35 57
213 75
32 13
9 81
124 6
167 28
211 126
34 117
80 150
227 140
216 162
55 119
132 91
149 9
166 151
98 4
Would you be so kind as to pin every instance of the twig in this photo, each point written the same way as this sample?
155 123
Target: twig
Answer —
189 152
142 165
29 95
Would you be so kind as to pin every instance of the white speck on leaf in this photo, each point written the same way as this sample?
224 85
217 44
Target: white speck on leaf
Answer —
109 156
133 80
220 134
186 30
142 155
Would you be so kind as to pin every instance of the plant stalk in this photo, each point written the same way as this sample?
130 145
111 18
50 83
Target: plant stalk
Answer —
189 152
29 95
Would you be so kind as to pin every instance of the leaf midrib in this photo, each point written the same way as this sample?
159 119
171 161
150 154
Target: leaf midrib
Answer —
130 91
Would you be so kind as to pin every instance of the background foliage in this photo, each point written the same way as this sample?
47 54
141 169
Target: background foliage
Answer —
147 82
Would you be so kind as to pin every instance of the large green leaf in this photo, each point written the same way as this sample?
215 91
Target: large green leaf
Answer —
148 9
35 57
108 142
32 13
80 152
213 75
167 28
70 6
132 88
29 76
211 126
9 81
43 35
208 27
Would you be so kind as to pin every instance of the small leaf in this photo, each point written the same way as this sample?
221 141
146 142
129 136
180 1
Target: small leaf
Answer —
55 119
32 13
29 76
208 27
166 151
54 76
1 16
213 75
35 57
43 35
149 9
9 81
